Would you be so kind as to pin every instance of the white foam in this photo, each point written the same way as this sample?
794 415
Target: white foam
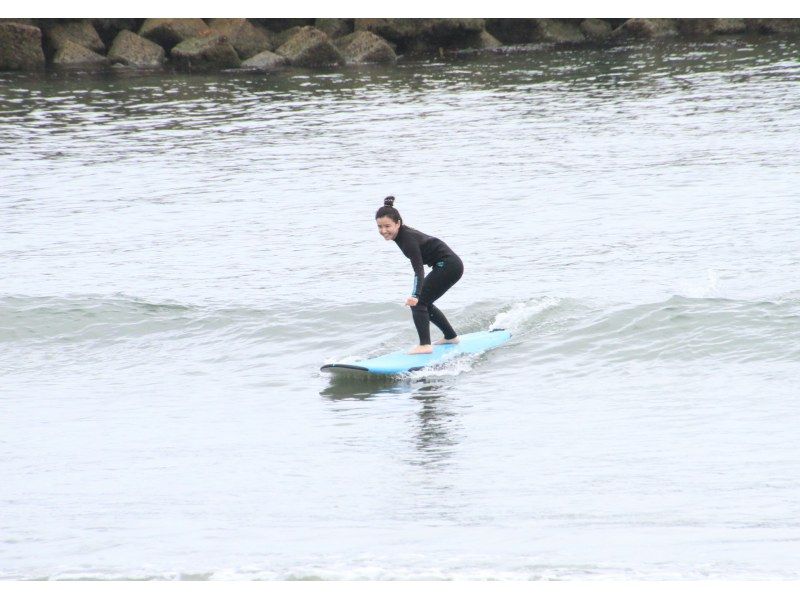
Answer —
452 367
704 289
514 318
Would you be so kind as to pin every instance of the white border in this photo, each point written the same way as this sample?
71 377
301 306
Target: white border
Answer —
402 9
388 589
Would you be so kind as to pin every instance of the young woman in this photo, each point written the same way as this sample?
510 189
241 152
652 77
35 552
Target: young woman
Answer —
446 271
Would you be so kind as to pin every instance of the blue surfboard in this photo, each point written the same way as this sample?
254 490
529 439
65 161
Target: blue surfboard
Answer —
400 362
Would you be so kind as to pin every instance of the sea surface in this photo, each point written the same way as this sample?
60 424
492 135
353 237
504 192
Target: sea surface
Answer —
179 254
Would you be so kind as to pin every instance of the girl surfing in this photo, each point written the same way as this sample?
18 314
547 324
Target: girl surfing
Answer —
446 270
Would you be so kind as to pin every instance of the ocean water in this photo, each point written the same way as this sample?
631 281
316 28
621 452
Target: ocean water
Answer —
180 254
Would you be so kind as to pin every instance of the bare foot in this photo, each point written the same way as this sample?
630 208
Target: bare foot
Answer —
421 349
448 341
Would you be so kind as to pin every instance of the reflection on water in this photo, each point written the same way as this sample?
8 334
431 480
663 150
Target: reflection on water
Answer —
435 438
361 387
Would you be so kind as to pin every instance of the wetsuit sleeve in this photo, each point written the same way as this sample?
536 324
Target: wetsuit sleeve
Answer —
414 253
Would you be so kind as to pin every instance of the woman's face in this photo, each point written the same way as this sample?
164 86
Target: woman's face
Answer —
388 228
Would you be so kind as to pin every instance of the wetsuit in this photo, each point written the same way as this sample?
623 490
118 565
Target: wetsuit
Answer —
447 269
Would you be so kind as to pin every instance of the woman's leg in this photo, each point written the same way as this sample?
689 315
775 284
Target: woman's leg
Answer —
422 322
438 319
436 284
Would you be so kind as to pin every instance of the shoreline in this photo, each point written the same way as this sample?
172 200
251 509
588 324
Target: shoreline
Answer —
269 45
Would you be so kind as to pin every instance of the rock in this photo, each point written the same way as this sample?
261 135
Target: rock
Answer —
418 35
363 47
310 47
205 53
284 36
646 29
706 27
696 27
486 41
108 29
170 32
71 55
265 61
134 50
449 27
481 40
20 47
773 26
395 30
596 29
729 26
559 32
335 28
513 31
19 21
278 25
528 31
79 32
246 38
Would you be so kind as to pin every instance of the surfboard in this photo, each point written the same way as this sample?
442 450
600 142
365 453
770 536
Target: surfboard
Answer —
400 362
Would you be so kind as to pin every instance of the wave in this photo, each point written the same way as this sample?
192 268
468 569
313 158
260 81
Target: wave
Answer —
112 318
678 329
544 329
82 318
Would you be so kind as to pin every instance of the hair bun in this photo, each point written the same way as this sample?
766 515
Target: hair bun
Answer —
389 201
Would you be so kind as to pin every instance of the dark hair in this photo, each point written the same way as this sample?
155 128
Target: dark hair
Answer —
389 210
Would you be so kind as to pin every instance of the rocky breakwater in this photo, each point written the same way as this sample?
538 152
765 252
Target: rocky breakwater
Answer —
198 45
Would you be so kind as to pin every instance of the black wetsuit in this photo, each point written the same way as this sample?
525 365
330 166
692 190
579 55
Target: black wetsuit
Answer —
447 269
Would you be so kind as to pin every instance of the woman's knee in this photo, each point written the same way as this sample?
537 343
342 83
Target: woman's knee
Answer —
421 306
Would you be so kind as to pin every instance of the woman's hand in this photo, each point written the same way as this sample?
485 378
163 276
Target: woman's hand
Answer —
412 301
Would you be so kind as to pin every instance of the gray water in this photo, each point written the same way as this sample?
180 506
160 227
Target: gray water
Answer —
180 254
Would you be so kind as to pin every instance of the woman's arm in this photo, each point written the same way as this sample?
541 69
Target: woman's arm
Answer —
414 254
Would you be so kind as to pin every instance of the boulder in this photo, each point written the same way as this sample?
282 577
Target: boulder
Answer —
205 53
395 30
246 38
528 31
706 27
513 31
363 47
695 27
596 29
20 47
559 32
130 49
417 35
284 36
481 40
773 26
265 61
486 41
108 29
729 26
646 29
82 33
71 55
278 25
310 47
440 28
335 28
19 21
170 32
